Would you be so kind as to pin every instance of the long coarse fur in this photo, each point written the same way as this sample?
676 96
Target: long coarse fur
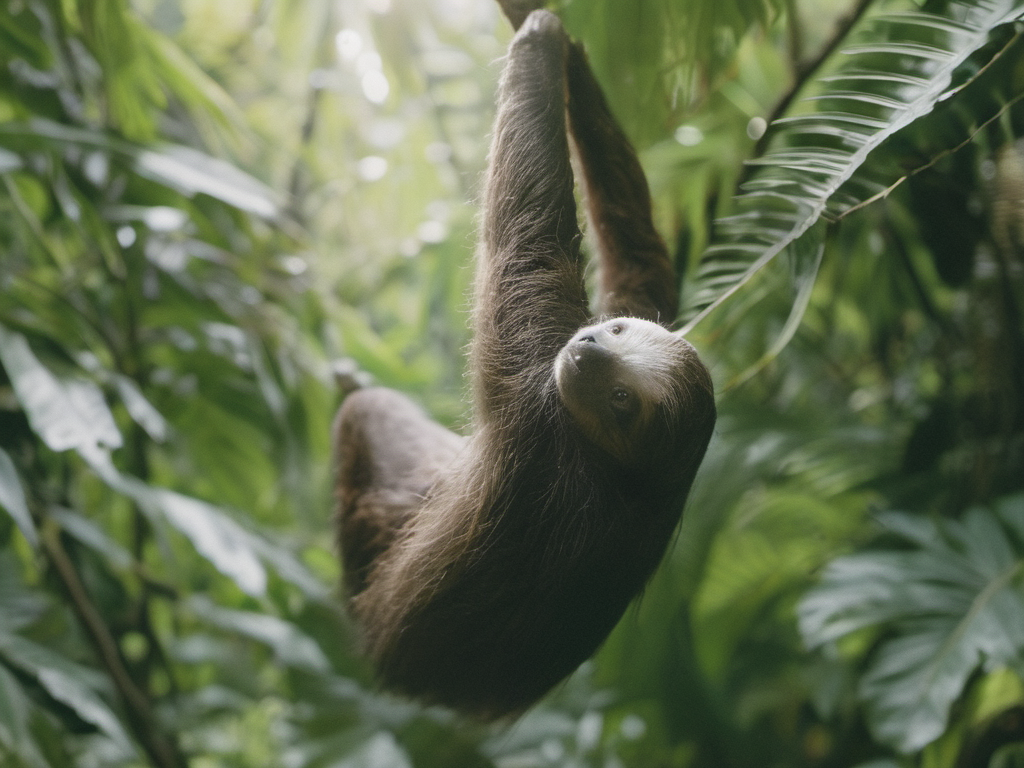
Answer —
485 569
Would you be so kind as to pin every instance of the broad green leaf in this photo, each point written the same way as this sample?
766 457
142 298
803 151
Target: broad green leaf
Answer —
230 548
12 499
89 533
1008 756
1011 512
140 409
131 84
651 55
758 557
15 709
538 727
192 172
373 354
951 605
380 751
190 82
234 452
290 645
20 604
289 568
69 683
9 161
215 536
64 413
185 169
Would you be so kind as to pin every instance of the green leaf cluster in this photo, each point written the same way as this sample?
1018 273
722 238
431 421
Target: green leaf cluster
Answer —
214 213
945 601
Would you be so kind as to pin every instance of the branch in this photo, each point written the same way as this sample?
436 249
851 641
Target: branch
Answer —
161 747
805 72
794 36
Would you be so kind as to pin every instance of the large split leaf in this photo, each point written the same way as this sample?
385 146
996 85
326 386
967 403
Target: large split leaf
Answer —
953 603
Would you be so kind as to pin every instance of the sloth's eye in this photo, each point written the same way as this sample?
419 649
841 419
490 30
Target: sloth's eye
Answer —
624 408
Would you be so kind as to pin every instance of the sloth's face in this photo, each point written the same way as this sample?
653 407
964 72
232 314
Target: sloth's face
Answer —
625 380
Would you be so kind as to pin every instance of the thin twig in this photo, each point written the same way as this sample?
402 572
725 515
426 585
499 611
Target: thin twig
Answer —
794 36
924 167
161 747
807 71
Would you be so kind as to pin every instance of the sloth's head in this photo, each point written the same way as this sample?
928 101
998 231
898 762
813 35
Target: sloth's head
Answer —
635 388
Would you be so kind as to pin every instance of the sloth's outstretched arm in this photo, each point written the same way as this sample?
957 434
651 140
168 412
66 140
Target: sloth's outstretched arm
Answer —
530 295
637 276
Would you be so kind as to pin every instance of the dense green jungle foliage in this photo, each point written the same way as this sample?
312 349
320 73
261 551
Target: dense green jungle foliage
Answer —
210 210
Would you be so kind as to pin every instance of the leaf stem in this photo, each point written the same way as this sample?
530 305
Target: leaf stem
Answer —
925 166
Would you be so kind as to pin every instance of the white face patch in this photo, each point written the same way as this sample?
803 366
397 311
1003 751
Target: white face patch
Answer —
614 375
649 352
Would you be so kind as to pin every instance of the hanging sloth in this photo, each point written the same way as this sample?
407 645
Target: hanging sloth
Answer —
484 569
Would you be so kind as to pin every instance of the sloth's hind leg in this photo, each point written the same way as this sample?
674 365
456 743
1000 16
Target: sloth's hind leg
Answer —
388 453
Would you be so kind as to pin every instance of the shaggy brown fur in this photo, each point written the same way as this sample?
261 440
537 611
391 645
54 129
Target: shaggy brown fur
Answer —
484 569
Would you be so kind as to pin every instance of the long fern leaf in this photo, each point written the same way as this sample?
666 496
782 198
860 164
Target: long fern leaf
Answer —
906 64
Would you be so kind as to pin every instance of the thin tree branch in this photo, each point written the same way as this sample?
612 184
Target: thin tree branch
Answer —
794 36
162 747
806 71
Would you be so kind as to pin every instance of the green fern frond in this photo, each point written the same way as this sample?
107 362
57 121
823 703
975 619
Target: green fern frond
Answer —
909 63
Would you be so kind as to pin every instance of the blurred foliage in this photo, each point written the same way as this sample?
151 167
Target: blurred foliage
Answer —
210 211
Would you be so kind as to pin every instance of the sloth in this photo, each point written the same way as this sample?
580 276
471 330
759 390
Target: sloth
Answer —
483 569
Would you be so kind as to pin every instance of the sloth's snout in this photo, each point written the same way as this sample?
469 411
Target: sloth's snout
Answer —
588 353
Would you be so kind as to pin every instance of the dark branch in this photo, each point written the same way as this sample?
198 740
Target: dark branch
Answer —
161 747
805 72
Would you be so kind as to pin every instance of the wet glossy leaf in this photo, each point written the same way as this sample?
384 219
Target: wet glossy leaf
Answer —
65 413
12 499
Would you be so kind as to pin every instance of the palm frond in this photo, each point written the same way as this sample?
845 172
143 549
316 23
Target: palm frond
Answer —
907 65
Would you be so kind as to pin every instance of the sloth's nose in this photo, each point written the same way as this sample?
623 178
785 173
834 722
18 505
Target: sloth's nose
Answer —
591 356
